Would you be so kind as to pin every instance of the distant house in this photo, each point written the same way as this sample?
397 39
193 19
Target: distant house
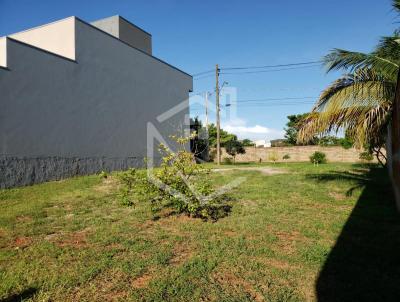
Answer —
76 99
262 143
278 143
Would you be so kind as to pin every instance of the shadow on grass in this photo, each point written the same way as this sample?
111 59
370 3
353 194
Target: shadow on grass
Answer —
22 296
364 264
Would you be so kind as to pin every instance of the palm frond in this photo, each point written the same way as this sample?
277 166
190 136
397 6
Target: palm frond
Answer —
359 87
352 61
389 48
396 5
359 102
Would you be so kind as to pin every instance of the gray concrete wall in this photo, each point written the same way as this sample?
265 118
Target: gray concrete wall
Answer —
126 31
109 25
60 117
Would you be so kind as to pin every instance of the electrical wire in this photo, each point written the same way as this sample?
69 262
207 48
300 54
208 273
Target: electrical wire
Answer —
203 72
297 64
271 70
276 99
271 66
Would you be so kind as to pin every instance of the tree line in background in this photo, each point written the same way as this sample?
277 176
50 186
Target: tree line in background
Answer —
204 143
292 129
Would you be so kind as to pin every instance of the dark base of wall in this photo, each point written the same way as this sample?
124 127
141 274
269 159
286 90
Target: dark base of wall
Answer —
27 171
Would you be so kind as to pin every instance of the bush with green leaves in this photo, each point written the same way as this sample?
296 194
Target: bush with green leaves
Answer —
318 157
234 147
227 161
366 156
273 156
286 157
103 174
179 184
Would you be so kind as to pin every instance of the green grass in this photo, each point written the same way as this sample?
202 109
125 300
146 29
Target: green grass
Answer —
290 237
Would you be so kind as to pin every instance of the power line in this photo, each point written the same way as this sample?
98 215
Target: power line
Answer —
257 67
203 77
261 105
276 104
271 66
276 99
203 72
271 70
272 99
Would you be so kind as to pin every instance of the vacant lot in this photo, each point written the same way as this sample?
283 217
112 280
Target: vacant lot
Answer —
327 233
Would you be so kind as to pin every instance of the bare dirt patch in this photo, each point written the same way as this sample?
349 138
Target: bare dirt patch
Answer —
74 239
108 286
24 218
279 264
230 234
22 242
287 240
174 224
181 254
108 185
3 232
263 170
142 281
337 196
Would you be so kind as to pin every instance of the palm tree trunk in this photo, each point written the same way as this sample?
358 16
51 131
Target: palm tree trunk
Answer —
395 142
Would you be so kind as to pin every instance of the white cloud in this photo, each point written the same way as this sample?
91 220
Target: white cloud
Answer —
256 132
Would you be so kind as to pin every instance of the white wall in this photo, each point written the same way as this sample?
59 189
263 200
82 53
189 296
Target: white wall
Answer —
57 37
3 52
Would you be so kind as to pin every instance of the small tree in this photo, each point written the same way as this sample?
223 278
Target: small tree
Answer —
247 143
286 157
318 158
178 184
292 128
273 156
234 147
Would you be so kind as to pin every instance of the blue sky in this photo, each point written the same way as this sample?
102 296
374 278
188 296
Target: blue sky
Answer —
195 35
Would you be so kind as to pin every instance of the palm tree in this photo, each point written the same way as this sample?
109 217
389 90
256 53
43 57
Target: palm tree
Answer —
361 101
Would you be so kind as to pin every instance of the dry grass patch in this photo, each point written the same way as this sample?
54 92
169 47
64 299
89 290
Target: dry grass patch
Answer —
112 285
337 196
182 253
287 240
74 239
22 242
108 185
142 281
237 284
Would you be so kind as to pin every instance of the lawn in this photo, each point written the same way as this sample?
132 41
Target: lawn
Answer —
327 233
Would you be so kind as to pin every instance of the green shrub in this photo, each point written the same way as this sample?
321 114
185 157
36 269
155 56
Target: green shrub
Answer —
366 156
227 161
103 174
234 147
178 184
318 158
286 157
273 156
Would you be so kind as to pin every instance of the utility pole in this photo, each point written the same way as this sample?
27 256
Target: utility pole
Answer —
218 121
206 106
